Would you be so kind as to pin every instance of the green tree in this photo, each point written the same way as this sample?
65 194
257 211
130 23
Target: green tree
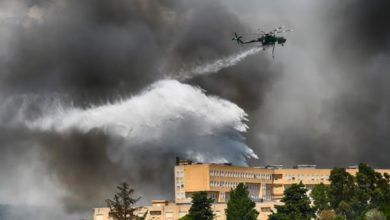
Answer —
296 205
342 193
240 206
386 210
381 195
368 195
186 217
320 195
326 214
201 207
122 206
352 197
374 214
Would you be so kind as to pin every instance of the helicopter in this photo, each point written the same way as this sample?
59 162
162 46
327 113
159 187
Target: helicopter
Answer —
266 39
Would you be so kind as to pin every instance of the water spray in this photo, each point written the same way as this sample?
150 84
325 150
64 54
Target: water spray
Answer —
216 66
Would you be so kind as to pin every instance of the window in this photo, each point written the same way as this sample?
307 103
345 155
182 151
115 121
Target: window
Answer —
265 209
155 212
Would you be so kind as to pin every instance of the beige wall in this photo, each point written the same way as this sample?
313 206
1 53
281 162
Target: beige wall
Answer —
196 178
171 211
218 180
263 184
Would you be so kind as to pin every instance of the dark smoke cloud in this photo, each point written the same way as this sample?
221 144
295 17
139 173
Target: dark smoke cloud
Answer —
85 53
363 106
92 48
88 48
322 100
330 105
366 26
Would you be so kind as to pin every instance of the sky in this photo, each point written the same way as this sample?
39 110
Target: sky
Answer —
97 92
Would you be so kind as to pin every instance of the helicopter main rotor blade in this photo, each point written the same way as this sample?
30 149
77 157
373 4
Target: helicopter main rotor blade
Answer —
277 29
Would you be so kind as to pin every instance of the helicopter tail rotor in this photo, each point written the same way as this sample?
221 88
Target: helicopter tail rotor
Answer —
237 38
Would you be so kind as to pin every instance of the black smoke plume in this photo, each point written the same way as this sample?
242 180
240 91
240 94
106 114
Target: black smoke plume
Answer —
323 99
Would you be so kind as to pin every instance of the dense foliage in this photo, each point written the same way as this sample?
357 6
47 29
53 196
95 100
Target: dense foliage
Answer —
353 196
200 208
240 206
361 197
296 205
320 196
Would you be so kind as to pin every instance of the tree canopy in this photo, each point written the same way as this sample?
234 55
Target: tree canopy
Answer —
240 206
201 208
320 195
122 205
326 214
296 205
351 197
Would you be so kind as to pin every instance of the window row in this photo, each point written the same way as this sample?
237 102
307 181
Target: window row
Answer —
254 197
233 185
234 174
223 184
307 177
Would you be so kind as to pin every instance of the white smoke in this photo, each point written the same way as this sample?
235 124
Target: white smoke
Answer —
169 114
217 65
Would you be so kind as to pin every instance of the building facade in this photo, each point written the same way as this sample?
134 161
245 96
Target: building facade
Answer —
164 210
266 186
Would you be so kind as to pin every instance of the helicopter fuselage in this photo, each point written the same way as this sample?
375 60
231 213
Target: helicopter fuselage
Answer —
268 40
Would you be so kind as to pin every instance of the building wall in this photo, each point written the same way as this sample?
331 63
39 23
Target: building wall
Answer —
266 187
218 180
101 214
263 184
173 211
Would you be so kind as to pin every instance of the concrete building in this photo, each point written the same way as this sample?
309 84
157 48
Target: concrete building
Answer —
265 184
164 210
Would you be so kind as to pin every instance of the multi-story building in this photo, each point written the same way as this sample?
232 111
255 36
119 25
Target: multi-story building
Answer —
164 210
265 184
